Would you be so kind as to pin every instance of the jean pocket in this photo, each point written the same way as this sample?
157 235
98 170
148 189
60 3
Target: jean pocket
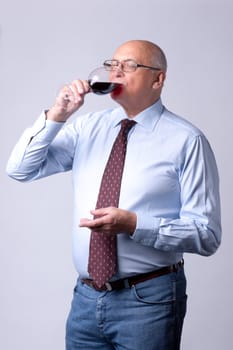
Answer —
160 291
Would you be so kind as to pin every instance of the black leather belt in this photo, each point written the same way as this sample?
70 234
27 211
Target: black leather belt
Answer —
131 281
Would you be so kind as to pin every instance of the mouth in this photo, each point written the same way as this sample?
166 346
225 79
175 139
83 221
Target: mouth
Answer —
118 89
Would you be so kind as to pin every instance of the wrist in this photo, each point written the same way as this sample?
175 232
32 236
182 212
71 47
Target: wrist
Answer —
56 115
132 223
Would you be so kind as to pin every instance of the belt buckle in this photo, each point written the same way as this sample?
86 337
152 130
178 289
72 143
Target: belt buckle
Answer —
108 286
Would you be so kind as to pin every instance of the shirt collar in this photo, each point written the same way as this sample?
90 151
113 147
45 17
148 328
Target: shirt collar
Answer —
148 118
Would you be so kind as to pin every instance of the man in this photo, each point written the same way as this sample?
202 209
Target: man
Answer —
168 204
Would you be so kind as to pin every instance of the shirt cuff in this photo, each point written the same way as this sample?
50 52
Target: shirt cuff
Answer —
46 128
147 229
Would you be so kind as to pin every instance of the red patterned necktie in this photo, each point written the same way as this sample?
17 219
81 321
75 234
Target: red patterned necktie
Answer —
102 254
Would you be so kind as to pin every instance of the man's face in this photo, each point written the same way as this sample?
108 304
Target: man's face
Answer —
138 85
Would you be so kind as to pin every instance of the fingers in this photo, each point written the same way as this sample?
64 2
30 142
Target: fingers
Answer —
103 211
111 220
96 224
75 91
69 100
103 219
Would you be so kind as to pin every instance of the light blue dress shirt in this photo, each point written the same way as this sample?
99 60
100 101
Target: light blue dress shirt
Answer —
170 181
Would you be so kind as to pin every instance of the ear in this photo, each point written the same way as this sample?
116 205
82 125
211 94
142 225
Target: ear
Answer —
158 83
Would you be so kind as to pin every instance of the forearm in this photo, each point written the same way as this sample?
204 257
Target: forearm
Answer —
33 157
31 151
196 226
181 235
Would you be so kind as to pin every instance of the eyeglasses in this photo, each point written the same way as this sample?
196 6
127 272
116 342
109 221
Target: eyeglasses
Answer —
125 65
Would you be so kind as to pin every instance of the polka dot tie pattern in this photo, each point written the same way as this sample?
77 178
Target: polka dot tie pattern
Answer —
103 251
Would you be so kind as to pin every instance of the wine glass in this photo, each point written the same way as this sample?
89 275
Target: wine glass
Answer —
100 82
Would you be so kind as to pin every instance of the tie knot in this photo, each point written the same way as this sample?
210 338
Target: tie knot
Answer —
126 125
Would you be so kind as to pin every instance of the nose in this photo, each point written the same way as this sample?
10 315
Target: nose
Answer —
116 74
119 71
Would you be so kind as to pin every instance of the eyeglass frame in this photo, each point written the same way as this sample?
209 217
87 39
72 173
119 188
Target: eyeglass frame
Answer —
108 66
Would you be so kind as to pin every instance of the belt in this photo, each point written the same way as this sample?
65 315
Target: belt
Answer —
131 281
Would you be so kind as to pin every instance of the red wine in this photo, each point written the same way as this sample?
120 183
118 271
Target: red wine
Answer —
102 88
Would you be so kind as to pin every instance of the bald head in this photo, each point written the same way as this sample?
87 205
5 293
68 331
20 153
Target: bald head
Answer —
152 53
142 85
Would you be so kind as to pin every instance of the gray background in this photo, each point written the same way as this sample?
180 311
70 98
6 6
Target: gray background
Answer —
43 45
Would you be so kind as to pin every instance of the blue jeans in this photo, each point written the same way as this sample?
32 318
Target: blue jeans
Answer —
147 316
